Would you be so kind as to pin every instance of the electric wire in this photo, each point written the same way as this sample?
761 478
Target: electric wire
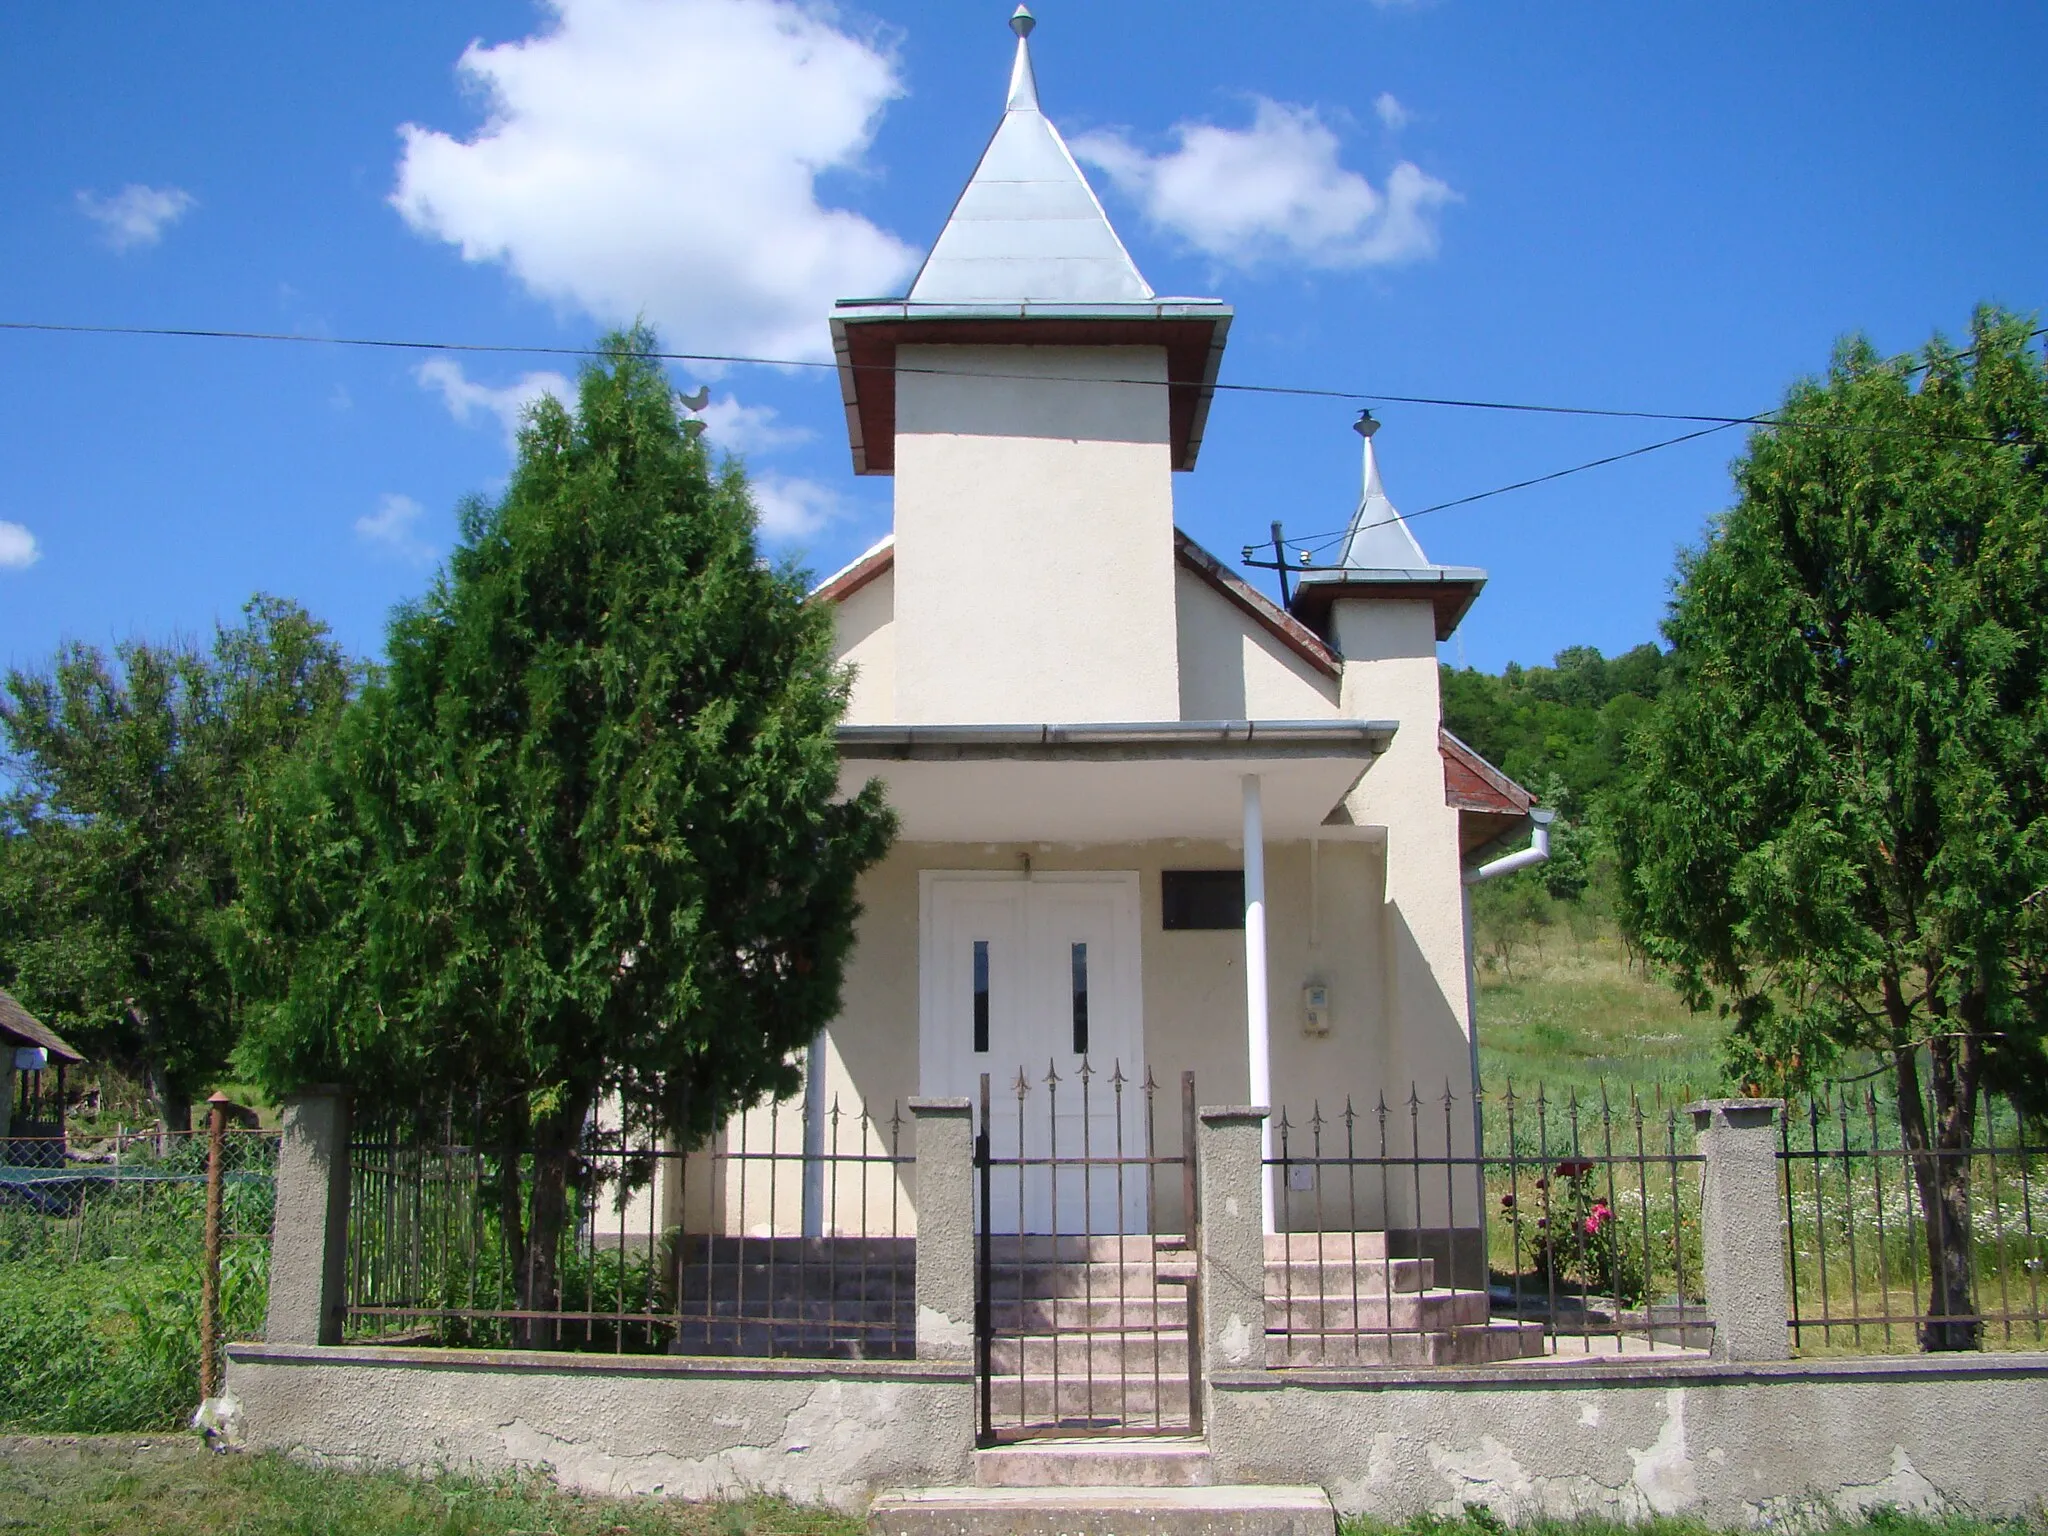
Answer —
1316 543
1308 544
728 359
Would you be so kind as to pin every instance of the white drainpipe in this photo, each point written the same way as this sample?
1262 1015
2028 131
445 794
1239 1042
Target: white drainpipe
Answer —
1537 851
1258 1026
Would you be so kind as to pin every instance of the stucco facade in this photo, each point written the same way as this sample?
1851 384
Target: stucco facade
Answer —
1035 624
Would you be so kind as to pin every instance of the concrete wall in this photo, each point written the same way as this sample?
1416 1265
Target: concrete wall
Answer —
1232 669
1747 1446
865 639
1390 672
1034 536
820 1431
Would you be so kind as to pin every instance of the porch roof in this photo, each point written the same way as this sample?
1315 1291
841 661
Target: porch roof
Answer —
1111 781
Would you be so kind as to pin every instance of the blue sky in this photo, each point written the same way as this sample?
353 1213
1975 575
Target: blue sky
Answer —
1672 207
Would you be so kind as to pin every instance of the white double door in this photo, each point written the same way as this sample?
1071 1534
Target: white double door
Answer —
1039 976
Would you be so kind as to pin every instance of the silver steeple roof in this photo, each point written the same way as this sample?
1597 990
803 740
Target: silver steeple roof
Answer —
1379 538
1028 228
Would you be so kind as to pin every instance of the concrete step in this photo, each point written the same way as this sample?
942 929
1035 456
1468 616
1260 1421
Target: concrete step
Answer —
1085 1402
1138 1277
1348 1314
1149 1461
1043 1248
1326 1245
1312 1277
1480 1344
1059 1511
1168 1309
1104 1355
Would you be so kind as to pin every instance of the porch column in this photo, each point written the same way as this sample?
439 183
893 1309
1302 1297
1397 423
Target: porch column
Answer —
1258 1026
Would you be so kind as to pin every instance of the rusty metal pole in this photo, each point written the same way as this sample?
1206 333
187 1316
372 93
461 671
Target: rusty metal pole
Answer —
209 1274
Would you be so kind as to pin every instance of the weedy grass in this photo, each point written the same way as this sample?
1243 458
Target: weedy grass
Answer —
1571 1012
1478 1520
101 1486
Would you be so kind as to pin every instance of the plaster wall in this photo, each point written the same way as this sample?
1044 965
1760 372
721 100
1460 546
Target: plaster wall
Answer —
1390 672
865 639
1034 575
820 1431
1231 669
1759 1446
1326 930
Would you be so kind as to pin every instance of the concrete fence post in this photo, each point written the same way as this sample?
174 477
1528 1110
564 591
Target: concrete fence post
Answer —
945 1228
1231 1261
1742 1226
309 1232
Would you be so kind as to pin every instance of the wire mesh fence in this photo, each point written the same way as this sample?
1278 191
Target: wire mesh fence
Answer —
104 1272
1889 1248
789 1232
132 1197
1456 1229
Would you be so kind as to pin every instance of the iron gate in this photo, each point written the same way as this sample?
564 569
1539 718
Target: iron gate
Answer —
1087 1306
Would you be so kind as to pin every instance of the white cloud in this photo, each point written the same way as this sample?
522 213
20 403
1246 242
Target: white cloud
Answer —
18 548
136 215
793 508
1274 191
393 527
1392 113
466 399
660 158
747 428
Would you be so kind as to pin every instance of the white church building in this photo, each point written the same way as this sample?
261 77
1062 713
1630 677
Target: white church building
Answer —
1149 819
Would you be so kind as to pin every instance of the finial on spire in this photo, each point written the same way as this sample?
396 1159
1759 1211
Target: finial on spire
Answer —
1023 83
1366 425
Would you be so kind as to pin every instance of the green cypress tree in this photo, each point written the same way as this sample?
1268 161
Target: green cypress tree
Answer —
583 836
1835 823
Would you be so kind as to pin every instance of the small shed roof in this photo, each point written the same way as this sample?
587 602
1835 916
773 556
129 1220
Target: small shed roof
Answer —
20 1027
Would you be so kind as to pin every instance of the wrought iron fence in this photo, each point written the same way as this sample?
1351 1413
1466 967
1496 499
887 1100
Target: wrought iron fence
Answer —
1472 1230
789 1232
1889 1248
1086 1302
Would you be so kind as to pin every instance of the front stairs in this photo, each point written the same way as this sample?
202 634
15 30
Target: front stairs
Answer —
1143 1486
1090 1333
1337 1300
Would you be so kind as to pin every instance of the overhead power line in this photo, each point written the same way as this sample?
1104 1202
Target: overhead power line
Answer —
1315 543
728 359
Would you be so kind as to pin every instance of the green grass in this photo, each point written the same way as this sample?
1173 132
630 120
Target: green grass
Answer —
1567 1009
172 1486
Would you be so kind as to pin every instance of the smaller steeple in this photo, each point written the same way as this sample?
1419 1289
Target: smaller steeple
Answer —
1379 538
1381 560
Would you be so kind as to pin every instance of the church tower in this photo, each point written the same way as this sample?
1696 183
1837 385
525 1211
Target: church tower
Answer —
1032 397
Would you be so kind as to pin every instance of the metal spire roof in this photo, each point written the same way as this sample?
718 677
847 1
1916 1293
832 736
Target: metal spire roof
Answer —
1380 558
1379 538
1028 227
